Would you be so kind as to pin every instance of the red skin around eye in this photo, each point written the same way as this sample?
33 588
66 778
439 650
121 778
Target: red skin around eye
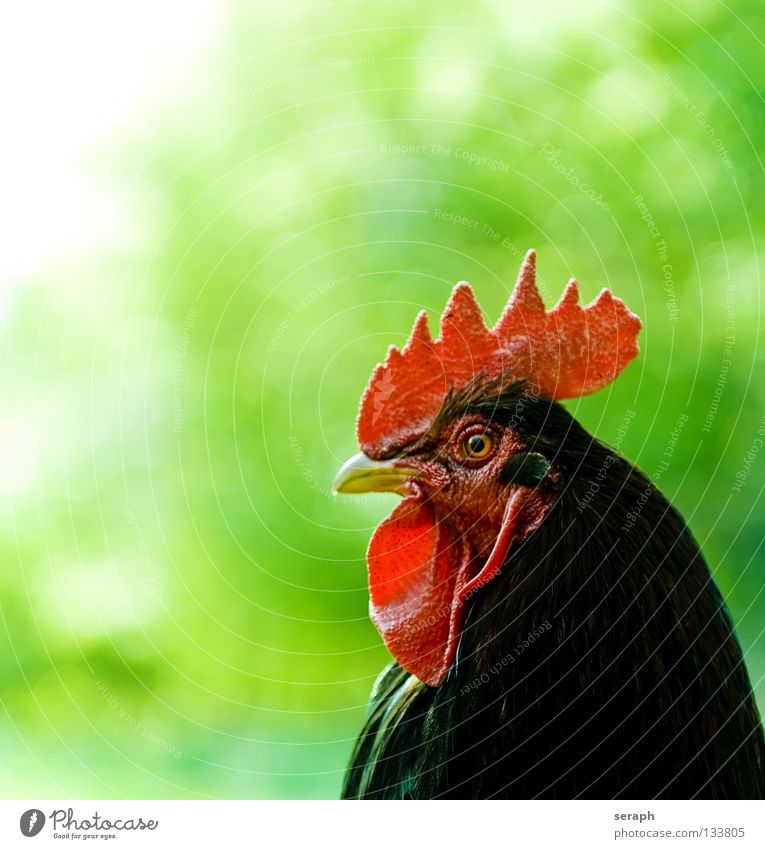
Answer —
441 545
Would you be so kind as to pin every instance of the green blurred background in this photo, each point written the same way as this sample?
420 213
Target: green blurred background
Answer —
216 221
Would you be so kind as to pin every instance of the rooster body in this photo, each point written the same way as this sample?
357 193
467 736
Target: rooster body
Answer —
632 685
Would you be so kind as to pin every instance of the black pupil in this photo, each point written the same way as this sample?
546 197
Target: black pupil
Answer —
476 444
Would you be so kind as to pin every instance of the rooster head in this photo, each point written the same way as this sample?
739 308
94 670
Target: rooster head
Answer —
440 423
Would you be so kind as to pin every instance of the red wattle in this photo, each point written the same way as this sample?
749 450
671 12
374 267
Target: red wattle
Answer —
421 577
415 568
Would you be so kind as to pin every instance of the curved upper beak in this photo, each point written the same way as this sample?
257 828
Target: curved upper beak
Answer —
360 474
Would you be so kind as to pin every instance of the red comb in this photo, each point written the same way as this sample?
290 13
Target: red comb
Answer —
567 352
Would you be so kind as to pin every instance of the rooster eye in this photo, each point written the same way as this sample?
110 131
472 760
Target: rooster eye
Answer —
477 445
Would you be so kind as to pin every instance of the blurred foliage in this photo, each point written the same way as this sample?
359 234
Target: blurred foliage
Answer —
184 604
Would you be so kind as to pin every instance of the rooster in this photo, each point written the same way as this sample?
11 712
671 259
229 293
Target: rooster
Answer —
556 632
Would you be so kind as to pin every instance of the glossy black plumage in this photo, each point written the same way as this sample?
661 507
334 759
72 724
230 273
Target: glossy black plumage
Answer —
633 685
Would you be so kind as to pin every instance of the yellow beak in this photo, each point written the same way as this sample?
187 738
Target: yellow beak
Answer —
360 474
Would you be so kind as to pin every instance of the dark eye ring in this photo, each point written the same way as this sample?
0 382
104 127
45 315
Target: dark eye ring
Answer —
477 446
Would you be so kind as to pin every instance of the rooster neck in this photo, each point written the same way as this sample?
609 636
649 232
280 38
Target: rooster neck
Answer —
600 663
